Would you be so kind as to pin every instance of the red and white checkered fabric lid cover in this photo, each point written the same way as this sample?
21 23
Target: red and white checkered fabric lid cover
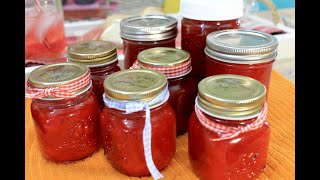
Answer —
170 71
67 90
228 132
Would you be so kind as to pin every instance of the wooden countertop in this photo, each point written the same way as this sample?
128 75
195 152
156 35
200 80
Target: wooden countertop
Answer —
280 162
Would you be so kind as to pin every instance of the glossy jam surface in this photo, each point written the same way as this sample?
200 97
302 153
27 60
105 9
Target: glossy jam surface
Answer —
98 75
67 130
193 40
183 91
122 138
131 49
260 72
242 157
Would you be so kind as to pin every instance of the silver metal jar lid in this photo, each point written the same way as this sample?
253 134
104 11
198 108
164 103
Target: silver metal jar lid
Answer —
241 46
148 28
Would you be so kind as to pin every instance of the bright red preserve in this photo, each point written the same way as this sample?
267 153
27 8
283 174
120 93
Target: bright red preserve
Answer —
98 75
122 138
260 71
131 49
183 91
242 157
144 32
100 57
193 40
241 52
176 65
67 130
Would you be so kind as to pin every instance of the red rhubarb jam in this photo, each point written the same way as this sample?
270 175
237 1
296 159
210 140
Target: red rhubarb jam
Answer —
229 102
122 133
67 129
176 65
144 32
243 52
100 57
200 19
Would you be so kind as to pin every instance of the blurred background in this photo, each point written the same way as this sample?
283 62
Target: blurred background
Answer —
95 9
100 19
276 17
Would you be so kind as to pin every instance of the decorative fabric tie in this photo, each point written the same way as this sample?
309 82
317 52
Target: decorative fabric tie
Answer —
64 91
229 132
130 107
169 71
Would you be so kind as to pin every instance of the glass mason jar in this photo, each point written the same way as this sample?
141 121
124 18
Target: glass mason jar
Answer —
45 40
243 52
144 32
100 57
138 124
200 19
176 65
65 111
228 133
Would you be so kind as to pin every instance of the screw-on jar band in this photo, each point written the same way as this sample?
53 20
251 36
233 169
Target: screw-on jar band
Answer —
148 28
241 46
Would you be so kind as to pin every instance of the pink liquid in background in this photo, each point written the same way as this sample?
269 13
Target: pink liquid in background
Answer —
45 40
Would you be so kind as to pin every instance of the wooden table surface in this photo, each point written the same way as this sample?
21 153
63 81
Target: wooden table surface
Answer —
280 161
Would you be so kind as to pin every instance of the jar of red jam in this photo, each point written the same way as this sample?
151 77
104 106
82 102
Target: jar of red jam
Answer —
176 65
65 111
100 57
228 134
201 18
144 32
243 52
138 125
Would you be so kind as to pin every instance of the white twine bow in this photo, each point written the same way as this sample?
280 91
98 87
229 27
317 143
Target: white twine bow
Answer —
130 107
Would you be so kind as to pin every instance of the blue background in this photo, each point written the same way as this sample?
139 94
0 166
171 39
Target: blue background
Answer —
280 4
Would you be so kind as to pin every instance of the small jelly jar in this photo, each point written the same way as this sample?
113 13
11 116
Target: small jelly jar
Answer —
100 57
144 32
201 18
138 125
243 52
176 65
228 134
65 111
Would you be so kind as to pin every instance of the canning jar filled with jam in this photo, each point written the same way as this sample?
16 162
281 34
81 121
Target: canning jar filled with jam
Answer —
176 65
144 32
138 125
200 19
100 57
228 132
65 111
243 52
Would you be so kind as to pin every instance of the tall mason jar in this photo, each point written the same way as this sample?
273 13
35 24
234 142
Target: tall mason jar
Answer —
144 32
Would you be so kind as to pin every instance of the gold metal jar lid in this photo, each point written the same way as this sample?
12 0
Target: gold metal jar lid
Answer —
162 57
134 84
58 74
231 96
93 53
